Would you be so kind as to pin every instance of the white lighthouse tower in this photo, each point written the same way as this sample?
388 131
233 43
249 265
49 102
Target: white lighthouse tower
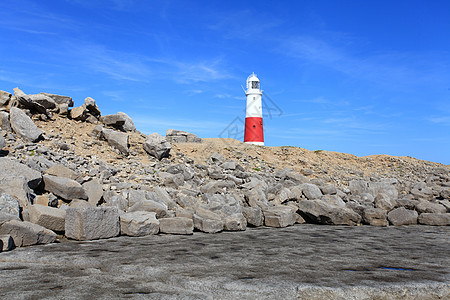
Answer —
254 133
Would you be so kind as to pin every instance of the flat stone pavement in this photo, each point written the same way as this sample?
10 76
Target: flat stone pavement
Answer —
299 262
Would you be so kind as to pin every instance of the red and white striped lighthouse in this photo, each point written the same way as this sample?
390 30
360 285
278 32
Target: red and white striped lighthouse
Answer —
253 115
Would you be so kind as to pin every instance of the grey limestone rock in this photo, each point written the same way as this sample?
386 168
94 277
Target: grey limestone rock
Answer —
4 98
435 219
375 217
92 223
48 217
60 170
176 225
402 216
129 124
94 191
150 206
254 216
317 211
157 146
65 188
279 216
207 221
138 223
430 207
178 136
311 191
60 99
23 126
116 139
113 120
91 106
16 186
78 113
10 167
9 206
4 121
6 243
27 233
43 100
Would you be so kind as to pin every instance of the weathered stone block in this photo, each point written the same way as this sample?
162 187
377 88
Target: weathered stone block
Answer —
26 233
138 223
435 219
375 217
177 225
279 216
253 215
48 217
402 216
92 223
64 187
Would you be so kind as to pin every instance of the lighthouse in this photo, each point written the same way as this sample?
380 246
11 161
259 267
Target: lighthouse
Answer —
253 114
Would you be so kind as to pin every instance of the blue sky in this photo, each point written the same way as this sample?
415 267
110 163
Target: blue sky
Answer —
361 77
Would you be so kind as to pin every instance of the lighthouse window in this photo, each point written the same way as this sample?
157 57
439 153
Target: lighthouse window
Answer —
255 85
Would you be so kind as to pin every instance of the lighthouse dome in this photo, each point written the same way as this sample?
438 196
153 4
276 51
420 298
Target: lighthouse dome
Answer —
253 82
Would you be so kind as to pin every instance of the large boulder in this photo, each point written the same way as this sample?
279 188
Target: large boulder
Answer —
138 223
113 120
17 187
10 167
311 191
78 113
402 216
60 99
6 243
27 233
150 206
43 100
178 136
116 139
129 124
317 211
48 217
91 106
9 207
435 219
65 188
279 216
375 217
4 121
177 225
60 170
157 146
430 207
4 98
23 126
94 191
92 223
228 208
207 221
253 215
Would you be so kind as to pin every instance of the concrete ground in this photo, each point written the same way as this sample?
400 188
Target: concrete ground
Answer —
299 262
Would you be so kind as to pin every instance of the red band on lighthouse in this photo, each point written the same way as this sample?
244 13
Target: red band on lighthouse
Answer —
254 130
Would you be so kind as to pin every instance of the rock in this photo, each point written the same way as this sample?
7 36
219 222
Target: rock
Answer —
60 99
94 191
138 223
317 211
16 187
279 216
26 233
4 98
6 243
257 198
177 136
23 126
402 216
91 106
60 170
333 200
9 206
65 188
177 225
216 157
187 172
435 219
18 92
328 189
430 207
48 217
116 139
150 206
4 121
207 221
10 167
92 223
157 146
311 191
386 187
63 109
43 100
116 201
113 120
160 195
375 217
78 113
384 202
80 204
128 125
253 215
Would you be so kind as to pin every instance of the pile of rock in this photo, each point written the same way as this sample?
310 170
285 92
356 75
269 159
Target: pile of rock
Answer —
178 136
47 190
